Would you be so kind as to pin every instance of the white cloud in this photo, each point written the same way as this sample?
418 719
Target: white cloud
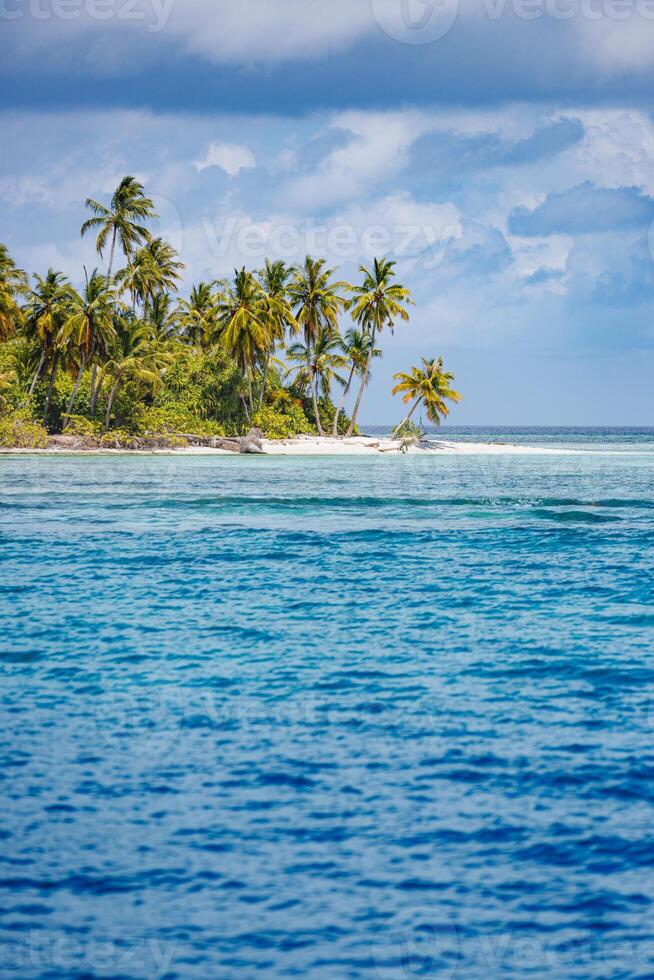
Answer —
260 30
230 157
377 150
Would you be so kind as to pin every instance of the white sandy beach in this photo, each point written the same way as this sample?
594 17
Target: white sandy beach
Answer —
367 446
325 446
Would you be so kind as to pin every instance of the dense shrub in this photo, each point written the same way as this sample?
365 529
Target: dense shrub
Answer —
19 431
206 385
11 394
174 418
408 430
117 439
79 425
282 421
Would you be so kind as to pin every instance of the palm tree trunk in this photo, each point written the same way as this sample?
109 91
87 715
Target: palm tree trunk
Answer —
38 373
264 380
110 403
250 396
92 399
73 396
95 394
312 381
316 413
346 390
364 382
53 376
111 256
407 419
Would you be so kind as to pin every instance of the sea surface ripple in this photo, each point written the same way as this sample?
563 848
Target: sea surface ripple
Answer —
329 718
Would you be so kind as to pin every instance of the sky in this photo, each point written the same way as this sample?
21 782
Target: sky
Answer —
500 151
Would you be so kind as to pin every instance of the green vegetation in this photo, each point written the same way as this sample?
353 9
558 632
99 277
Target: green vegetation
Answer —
19 431
429 387
125 359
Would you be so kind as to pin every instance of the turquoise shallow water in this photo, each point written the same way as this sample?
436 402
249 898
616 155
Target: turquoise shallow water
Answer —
368 717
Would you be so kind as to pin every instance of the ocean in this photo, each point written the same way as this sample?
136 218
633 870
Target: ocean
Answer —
330 717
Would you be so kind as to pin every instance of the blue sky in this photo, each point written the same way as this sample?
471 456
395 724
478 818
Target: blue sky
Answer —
501 151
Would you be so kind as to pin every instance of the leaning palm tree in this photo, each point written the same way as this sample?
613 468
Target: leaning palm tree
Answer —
13 284
316 301
47 307
122 221
88 330
319 366
244 331
429 386
357 347
377 303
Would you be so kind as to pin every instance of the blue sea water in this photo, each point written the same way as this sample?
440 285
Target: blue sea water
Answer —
329 718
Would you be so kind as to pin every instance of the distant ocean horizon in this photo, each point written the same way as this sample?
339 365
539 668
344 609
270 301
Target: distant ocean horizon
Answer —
580 436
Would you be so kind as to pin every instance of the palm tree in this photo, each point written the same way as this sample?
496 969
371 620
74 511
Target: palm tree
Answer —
197 316
46 310
279 315
242 320
122 221
357 346
153 269
316 303
430 387
319 365
376 304
13 283
162 318
135 356
88 329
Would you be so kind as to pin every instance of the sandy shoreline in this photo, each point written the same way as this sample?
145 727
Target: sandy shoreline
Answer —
314 446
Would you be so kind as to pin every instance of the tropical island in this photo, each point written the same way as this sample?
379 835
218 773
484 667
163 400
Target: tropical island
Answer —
125 363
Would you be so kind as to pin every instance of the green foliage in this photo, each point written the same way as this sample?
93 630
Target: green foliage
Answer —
126 356
205 385
79 425
282 422
174 418
19 431
11 393
117 439
407 430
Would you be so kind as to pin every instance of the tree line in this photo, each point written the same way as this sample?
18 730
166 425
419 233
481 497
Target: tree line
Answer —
126 352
